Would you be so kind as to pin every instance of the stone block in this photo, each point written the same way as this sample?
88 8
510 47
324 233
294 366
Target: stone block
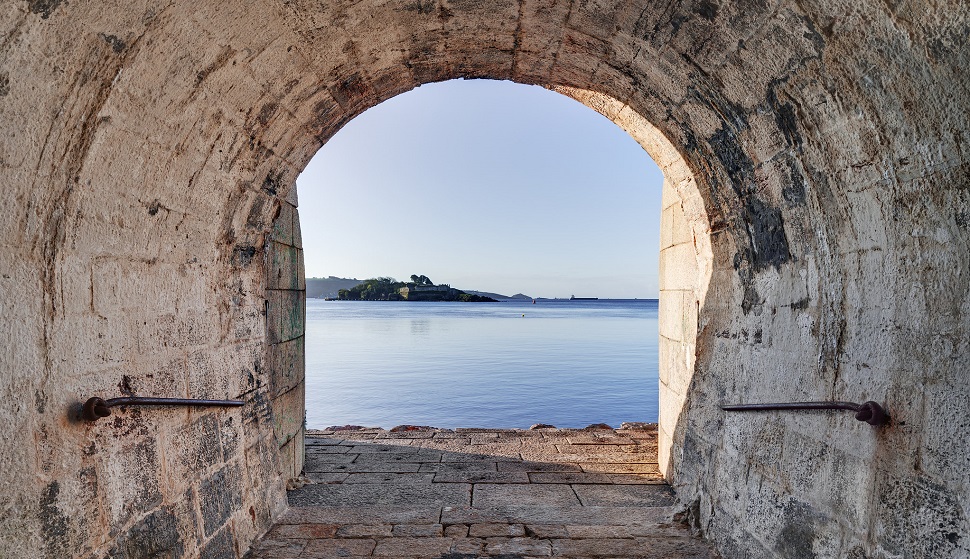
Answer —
678 267
364 531
277 549
292 314
490 530
274 316
219 496
670 315
373 466
490 495
377 450
154 535
418 530
286 365
456 530
288 413
285 267
615 496
194 447
518 546
370 494
481 477
390 478
648 467
282 231
546 531
349 514
920 517
297 231
303 531
567 477
460 467
220 546
411 547
323 549
536 466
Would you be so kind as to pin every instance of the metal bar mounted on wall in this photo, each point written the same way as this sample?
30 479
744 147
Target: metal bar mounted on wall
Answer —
870 412
96 408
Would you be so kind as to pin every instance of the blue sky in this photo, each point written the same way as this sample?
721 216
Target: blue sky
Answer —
485 185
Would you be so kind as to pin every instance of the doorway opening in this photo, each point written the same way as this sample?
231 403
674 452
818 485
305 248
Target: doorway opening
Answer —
493 188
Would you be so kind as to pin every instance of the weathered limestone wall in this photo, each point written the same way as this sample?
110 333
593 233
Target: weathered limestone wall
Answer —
147 150
133 228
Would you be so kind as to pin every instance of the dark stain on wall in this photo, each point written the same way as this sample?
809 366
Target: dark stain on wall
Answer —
921 518
785 118
4 84
43 7
266 113
962 219
421 6
794 191
154 536
273 182
116 43
219 497
255 217
797 537
707 10
55 523
738 166
243 255
769 244
220 546
349 91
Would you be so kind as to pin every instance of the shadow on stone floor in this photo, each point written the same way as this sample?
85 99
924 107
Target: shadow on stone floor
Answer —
475 493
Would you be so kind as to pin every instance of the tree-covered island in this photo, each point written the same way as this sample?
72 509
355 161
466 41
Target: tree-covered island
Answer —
420 288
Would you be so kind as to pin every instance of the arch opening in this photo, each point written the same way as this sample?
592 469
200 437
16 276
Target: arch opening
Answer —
684 271
497 187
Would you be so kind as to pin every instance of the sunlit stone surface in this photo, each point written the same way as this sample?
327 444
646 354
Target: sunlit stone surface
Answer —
815 224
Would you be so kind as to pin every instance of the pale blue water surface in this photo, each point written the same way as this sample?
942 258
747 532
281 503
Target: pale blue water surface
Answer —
566 363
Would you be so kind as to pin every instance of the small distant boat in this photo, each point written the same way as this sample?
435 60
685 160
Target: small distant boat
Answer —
575 298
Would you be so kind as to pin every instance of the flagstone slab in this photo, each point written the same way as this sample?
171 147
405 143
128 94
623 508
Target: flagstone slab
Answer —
480 493
369 494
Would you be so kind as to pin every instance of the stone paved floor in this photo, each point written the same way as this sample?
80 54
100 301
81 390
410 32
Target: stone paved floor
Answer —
476 493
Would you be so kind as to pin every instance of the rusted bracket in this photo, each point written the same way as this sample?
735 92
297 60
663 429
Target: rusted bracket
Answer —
96 408
870 412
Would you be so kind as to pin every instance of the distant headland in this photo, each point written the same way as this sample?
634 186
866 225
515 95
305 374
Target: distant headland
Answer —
420 288
329 288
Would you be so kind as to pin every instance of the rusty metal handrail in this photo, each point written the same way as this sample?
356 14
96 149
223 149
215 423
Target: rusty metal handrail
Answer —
96 408
870 412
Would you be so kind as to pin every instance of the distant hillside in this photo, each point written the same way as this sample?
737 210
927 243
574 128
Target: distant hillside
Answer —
328 287
319 288
420 288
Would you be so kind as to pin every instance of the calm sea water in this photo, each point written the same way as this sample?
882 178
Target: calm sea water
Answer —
566 363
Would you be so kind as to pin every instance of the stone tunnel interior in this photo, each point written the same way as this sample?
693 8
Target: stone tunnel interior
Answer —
816 174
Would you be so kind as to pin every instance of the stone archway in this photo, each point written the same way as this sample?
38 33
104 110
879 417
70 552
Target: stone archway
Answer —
149 148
